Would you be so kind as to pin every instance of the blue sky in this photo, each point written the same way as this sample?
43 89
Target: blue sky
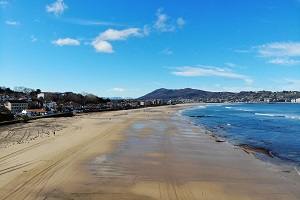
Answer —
130 48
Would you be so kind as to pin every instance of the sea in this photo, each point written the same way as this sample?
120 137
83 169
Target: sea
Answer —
272 127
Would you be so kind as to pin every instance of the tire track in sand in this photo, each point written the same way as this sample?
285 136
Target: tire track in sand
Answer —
41 179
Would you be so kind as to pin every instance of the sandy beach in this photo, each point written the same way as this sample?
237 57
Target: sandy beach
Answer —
146 153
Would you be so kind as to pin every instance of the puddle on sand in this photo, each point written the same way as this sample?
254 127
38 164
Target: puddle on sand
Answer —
139 127
167 151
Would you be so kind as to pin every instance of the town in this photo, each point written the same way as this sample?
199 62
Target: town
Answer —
28 102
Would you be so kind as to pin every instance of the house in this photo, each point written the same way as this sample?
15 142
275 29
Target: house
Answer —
71 106
16 106
4 97
50 104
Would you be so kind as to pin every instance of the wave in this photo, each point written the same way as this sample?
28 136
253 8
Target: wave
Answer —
239 109
278 115
242 109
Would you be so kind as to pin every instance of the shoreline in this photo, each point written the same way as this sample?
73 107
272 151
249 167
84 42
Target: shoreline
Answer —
139 154
263 153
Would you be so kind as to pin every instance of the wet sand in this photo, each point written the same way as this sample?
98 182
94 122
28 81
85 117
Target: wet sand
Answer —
138 154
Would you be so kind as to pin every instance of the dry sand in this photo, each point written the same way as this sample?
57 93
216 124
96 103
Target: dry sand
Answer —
138 154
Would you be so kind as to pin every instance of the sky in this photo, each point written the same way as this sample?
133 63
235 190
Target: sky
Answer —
114 48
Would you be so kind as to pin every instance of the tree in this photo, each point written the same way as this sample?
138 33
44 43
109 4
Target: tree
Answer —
23 89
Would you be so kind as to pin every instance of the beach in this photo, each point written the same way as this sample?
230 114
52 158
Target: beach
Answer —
149 153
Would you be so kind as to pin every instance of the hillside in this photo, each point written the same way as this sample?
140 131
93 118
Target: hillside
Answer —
206 96
186 93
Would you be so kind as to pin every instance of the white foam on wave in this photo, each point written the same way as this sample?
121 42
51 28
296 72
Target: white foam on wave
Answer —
265 114
278 115
292 117
239 109
242 109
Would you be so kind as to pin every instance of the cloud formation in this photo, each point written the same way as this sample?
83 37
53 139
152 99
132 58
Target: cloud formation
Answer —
209 71
3 4
167 51
84 22
111 34
57 8
233 65
162 23
101 45
180 21
66 41
279 49
117 90
13 23
33 38
102 42
283 61
280 52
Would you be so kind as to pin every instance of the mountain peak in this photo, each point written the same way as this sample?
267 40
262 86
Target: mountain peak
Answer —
163 93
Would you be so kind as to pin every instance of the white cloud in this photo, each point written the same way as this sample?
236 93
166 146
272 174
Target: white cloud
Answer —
162 23
242 51
284 61
111 34
57 7
3 4
180 21
13 23
102 46
279 52
84 22
155 83
33 38
233 65
146 30
279 49
167 51
117 89
209 71
66 41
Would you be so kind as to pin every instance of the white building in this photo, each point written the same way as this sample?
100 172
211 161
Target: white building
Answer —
16 106
295 100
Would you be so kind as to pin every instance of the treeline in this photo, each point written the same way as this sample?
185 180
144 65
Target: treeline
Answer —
19 91
82 99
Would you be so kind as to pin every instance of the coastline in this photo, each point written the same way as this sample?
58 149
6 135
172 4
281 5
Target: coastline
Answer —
237 125
149 153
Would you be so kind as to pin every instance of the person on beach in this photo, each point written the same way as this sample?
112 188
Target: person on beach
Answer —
54 133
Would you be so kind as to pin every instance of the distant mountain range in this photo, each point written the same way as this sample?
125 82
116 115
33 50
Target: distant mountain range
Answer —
206 96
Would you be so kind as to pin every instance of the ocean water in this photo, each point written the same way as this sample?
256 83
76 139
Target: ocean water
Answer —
275 127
